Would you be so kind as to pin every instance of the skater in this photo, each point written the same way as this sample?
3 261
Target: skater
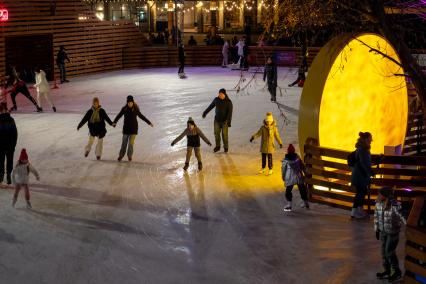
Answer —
387 224
96 117
18 86
225 54
268 132
193 134
361 174
43 88
222 119
293 171
8 138
130 127
240 47
300 81
21 176
60 61
3 95
271 74
181 71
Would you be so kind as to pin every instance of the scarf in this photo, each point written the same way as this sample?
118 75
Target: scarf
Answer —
95 115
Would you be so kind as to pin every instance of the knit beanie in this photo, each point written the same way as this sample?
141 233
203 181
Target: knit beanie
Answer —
386 192
191 121
269 117
96 100
130 99
291 149
223 91
24 156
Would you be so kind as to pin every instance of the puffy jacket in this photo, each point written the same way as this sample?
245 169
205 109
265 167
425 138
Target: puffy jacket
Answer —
21 173
193 137
292 169
8 132
270 73
361 172
130 126
223 110
268 133
41 82
388 220
96 129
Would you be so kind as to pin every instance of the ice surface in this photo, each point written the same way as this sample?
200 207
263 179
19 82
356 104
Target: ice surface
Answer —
148 222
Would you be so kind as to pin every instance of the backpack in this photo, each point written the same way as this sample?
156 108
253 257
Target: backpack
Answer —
352 159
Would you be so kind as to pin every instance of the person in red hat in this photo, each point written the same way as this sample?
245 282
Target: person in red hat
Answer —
293 172
21 176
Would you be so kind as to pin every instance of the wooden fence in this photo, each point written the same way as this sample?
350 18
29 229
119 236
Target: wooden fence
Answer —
415 139
329 180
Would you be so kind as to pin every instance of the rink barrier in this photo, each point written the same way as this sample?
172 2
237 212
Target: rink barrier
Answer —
415 139
329 177
415 249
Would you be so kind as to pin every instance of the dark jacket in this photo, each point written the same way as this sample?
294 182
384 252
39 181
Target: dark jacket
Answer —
130 126
223 110
362 172
270 73
388 219
193 137
181 54
97 128
8 133
292 169
61 57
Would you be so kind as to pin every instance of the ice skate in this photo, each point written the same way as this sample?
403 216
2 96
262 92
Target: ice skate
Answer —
185 168
129 158
39 109
394 275
1 178
29 205
200 166
98 158
216 149
9 179
383 275
261 171
304 204
14 202
287 208
270 172
54 109
120 158
226 150
86 153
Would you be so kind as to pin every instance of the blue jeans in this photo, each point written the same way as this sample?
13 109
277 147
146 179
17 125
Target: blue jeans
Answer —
128 142
62 72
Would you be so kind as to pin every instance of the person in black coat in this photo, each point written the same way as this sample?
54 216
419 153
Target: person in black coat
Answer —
223 118
60 61
181 59
271 75
95 118
8 139
130 127
18 86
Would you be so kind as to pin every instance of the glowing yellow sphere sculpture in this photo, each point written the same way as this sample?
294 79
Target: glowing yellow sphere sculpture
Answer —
353 87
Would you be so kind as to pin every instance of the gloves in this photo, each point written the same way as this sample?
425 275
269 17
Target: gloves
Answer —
281 146
204 115
173 144
251 139
209 144
78 128
377 235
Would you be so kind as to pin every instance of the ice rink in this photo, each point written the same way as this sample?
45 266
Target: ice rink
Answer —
148 222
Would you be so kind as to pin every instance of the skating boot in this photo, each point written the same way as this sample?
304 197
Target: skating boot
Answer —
262 171
200 166
39 109
9 179
86 153
287 208
14 108
120 158
226 150
305 204
13 202
394 275
384 275
98 158
270 172
130 158
217 148
29 205
54 109
1 178
185 168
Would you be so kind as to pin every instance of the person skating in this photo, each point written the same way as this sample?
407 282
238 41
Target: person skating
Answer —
292 172
270 75
268 133
61 56
43 88
193 134
181 51
95 118
225 54
18 86
387 225
300 81
240 51
21 176
222 119
130 126
8 139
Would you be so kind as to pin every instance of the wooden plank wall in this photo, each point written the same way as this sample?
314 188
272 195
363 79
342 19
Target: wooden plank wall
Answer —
93 45
415 139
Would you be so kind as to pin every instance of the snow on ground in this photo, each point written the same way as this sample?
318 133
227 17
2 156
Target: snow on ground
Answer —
148 222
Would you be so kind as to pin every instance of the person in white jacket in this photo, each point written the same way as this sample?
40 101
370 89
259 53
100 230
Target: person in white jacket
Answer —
21 176
43 88
225 52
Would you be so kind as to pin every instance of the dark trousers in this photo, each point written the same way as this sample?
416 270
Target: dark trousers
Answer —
302 190
264 155
218 128
8 156
181 67
62 72
273 91
359 199
23 90
389 244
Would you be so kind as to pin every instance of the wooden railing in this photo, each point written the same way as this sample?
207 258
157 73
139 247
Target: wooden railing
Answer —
415 139
415 250
329 180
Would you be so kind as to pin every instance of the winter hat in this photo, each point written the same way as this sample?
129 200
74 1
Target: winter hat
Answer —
130 99
386 192
24 156
191 121
291 149
269 117
223 91
96 100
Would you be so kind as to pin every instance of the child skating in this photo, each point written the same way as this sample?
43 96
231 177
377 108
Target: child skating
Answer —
292 171
193 134
387 224
130 127
95 118
21 176
268 133
43 89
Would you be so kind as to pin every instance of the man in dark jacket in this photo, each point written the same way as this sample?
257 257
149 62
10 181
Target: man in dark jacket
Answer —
270 74
222 119
96 117
60 61
8 139
130 127
181 51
